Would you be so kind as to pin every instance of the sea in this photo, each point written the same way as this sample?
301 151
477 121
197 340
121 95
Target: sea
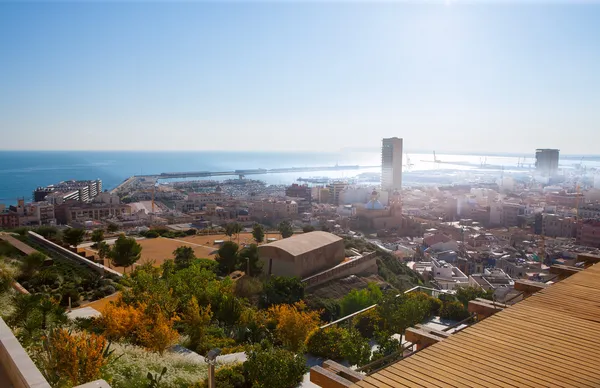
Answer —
22 171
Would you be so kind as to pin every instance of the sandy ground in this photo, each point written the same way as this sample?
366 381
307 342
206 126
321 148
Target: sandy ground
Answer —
157 250
99 304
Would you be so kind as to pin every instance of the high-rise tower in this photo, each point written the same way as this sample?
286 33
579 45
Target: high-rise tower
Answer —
546 161
391 164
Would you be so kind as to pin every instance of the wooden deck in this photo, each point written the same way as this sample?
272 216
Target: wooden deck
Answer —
551 339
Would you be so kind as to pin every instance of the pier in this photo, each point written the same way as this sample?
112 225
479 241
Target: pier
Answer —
257 171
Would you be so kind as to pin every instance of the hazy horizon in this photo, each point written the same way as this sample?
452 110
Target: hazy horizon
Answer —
456 78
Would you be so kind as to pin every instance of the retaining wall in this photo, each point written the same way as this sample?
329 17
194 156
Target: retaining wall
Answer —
365 264
71 255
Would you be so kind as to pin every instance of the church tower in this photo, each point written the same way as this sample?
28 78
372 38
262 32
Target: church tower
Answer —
396 204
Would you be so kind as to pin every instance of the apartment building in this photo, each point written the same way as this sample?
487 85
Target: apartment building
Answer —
588 233
83 191
299 191
76 212
556 226
591 210
274 209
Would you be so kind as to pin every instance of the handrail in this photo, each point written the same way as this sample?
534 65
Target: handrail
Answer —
375 305
389 356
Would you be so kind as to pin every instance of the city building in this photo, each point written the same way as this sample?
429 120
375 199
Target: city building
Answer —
447 276
546 161
302 255
353 194
35 213
590 210
273 209
9 219
588 233
493 279
557 226
391 164
299 191
83 191
77 212
335 189
511 213
374 215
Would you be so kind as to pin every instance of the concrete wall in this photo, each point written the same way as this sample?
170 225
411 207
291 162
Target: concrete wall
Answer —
320 259
16 364
284 264
18 370
365 264
71 255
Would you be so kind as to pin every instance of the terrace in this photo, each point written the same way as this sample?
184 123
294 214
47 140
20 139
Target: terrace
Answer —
520 345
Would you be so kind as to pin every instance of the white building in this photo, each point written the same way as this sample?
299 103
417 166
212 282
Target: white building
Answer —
447 276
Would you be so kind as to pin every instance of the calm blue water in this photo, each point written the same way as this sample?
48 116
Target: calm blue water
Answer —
22 171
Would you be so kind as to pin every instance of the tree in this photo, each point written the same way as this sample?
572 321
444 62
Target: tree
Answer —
125 252
356 349
357 300
249 261
112 228
68 359
144 325
454 311
293 324
308 228
196 321
401 312
258 233
48 232
283 289
98 236
227 257
168 268
466 294
34 314
269 367
285 228
184 256
327 343
233 228
103 250
191 232
73 236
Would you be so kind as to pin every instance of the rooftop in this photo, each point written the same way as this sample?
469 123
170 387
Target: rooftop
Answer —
303 243
550 339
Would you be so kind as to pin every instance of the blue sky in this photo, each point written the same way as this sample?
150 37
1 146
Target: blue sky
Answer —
300 75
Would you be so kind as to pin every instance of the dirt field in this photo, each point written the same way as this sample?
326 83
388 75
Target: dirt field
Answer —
157 250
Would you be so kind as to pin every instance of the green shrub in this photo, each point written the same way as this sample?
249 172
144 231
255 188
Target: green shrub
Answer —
327 343
454 310
227 377
357 300
367 323
191 232
151 234
269 367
